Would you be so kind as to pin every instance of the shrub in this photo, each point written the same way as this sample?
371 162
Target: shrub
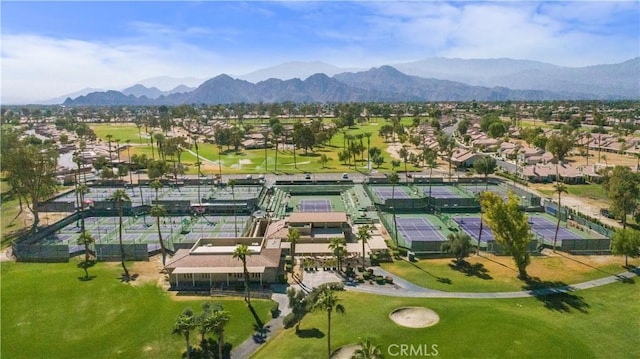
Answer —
402 252
288 259
366 275
275 310
360 269
360 279
288 268
388 279
380 279
290 320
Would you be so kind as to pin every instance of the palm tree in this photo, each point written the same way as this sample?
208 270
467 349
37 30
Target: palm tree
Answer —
198 163
219 163
337 245
159 211
587 145
232 183
265 134
393 179
293 237
367 350
129 155
109 137
85 240
404 154
327 301
368 136
458 244
363 235
214 323
185 324
559 188
277 132
120 196
240 253
430 157
156 185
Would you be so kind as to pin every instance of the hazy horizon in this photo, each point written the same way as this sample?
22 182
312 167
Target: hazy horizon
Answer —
54 48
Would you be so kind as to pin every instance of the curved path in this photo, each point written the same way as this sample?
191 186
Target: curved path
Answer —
402 288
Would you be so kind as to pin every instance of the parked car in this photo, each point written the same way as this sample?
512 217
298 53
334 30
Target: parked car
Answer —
307 176
345 176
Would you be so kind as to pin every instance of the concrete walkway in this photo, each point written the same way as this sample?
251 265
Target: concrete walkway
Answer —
400 288
269 330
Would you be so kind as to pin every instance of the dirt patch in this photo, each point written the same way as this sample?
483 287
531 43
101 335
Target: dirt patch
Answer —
345 352
150 272
414 317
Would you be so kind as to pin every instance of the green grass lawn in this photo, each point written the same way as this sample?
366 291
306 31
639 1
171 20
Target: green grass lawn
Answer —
253 161
48 312
121 131
594 323
498 276
593 191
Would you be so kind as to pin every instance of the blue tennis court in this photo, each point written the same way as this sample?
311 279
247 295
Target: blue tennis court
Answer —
390 192
315 205
419 229
441 192
547 229
471 226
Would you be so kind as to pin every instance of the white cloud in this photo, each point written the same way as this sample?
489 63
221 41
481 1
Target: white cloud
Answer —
39 67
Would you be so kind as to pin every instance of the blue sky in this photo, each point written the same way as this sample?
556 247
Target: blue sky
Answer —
53 48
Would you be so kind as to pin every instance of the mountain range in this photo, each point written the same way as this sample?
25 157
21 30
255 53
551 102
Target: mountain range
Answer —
435 79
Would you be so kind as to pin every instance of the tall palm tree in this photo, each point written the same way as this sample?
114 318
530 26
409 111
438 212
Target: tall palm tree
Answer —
159 211
430 157
198 164
393 179
185 324
404 154
119 197
337 245
118 149
85 240
367 350
327 301
219 163
293 237
214 323
368 136
128 141
265 134
559 189
156 185
109 137
484 166
232 183
240 253
364 235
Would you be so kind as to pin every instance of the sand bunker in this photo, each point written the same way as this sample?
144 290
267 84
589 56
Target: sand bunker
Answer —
414 317
345 352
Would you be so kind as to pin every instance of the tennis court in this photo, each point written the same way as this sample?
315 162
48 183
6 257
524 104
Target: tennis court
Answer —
471 226
419 229
315 205
546 228
384 192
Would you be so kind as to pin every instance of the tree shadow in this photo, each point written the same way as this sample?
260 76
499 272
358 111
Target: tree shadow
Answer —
256 317
438 279
310 333
583 263
209 350
556 295
471 270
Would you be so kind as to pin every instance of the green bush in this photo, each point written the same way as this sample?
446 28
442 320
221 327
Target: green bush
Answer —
275 310
388 279
366 275
288 268
380 279
289 320
402 252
